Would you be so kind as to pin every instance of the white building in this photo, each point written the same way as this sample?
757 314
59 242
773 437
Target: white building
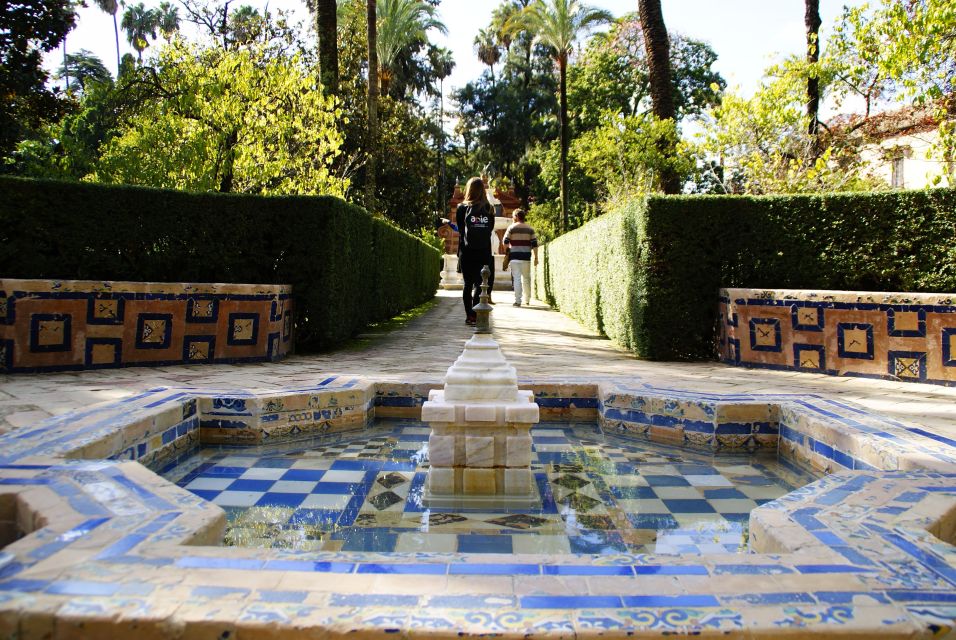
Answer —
902 148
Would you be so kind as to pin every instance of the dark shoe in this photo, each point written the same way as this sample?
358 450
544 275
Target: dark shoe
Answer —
516 304
471 320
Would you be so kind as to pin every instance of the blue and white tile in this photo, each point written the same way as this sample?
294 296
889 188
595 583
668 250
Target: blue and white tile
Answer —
238 498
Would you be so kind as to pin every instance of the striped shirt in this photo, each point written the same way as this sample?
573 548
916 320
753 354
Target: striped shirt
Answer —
521 240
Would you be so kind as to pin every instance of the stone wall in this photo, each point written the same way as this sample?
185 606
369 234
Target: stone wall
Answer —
60 325
898 336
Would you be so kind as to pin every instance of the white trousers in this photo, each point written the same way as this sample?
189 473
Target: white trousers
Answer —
521 279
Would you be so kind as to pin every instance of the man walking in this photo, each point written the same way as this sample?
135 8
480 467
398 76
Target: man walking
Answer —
522 244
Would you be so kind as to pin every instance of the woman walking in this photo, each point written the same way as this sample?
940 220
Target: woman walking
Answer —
476 222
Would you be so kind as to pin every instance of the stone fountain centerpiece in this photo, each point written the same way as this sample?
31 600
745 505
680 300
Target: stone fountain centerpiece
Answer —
479 449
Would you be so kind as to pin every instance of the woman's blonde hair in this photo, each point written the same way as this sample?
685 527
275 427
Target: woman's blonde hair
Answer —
475 192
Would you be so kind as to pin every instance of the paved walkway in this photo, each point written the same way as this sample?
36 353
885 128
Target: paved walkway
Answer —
541 343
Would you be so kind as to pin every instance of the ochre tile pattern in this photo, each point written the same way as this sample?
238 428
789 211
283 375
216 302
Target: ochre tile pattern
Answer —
896 336
63 325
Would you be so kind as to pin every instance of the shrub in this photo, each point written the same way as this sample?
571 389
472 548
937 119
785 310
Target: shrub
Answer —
648 275
346 268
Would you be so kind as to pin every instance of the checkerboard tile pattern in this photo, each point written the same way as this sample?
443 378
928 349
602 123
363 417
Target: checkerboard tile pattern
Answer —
600 494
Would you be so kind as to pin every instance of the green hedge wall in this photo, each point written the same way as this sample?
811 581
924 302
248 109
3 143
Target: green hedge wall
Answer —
648 276
347 268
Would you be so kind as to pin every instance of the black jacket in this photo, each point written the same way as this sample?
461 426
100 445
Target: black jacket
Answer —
476 223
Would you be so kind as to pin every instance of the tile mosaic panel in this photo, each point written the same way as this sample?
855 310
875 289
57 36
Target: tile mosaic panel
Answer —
897 336
62 325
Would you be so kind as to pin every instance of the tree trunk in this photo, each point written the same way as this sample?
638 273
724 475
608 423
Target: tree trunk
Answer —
116 35
229 157
563 126
811 19
494 109
441 146
659 71
372 143
66 67
326 28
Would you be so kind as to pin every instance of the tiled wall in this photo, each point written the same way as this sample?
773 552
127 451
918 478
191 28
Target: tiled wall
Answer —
898 336
60 325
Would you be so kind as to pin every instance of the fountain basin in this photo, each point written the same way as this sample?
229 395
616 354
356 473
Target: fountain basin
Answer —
106 546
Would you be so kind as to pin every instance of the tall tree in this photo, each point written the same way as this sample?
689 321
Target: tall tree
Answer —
84 67
372 141
34 28
811 19
112 7
443 64
219 119
659 72
140 22
167 19
557 24
488 50
326 28
401 23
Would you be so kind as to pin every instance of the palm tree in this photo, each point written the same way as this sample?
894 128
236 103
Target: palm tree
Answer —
140 22
400 24
112 7
557 24
811 19
83 67
167 19
489 52
442 65
658 50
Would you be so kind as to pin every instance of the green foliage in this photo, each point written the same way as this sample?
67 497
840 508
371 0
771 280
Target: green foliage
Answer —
765 145
623 155
430 237
405 184
347 269
545 217
612 75
29 29
590 275
648 275
84 68
227 120
558 24
903 49
401 24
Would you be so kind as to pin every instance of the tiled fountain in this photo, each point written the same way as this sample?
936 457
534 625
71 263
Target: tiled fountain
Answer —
96 545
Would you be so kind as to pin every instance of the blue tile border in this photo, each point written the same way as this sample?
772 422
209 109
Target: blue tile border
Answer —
949 341
895 367
116 343
919 332
95 305
66 324
760 328
231 338
142 319
819 321
842 347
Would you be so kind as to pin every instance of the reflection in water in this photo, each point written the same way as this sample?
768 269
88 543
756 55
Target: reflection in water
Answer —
600 494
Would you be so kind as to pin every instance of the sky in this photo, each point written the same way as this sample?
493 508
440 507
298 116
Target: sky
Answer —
748 35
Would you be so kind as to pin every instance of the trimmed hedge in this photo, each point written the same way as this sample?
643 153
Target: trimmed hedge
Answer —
347 268
648 276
